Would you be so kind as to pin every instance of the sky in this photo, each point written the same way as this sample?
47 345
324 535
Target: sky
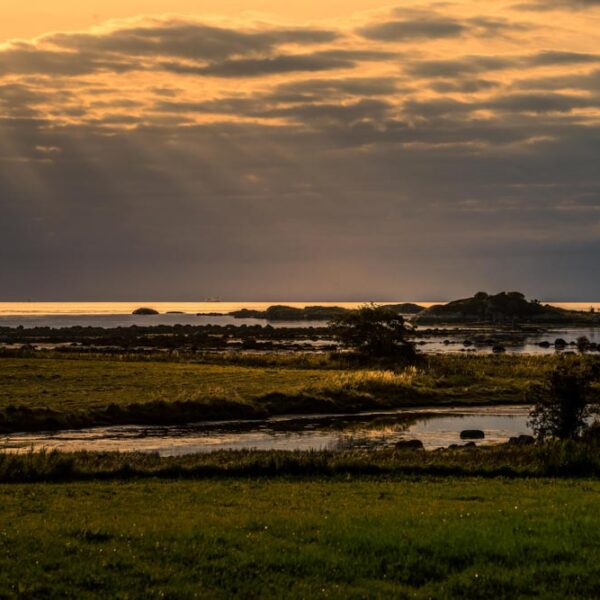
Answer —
301 150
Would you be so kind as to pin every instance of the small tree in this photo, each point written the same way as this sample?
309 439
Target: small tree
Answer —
374 332
562 407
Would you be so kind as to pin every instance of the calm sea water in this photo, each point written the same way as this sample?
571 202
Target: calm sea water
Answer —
118 314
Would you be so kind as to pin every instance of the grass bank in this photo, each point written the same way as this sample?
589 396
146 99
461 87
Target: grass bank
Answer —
255 538
557 459
38 393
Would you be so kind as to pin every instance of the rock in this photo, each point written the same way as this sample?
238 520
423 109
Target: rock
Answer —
521 440
145 311
409 445
470 445
472 434
544 344
250 344
498 349
505 307
560 343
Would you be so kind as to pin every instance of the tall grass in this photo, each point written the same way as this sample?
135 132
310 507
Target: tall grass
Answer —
556 459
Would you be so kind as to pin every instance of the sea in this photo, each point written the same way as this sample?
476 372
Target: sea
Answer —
119 314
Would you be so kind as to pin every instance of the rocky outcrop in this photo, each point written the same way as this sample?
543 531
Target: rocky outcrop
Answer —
521 440
145 311
472 434
505 307
410 445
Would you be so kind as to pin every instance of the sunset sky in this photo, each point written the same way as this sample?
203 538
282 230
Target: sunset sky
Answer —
174 150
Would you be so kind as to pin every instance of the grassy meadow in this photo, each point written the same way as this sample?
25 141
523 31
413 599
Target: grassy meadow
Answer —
500 522
50 392
299 538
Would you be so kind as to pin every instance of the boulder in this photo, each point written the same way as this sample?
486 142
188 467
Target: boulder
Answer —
470 445
472 434
409 445
498 349
521 440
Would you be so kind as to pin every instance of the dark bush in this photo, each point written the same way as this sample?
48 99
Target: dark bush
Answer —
563 409
374 332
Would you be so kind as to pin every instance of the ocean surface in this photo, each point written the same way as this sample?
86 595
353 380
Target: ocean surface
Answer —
118 314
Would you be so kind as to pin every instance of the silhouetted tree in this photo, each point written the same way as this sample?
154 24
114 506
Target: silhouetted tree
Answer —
374 332
563 408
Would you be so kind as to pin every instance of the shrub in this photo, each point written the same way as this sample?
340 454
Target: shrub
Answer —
374 332
563 407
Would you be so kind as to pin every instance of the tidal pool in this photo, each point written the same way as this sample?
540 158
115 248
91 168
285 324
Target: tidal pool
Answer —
435 427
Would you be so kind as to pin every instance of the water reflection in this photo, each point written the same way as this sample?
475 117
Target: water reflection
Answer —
436 428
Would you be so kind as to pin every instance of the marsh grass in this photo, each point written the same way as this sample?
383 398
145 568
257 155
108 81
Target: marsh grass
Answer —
555 459
46 393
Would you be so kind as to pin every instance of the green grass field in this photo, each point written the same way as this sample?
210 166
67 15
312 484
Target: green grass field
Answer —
56 392
303 538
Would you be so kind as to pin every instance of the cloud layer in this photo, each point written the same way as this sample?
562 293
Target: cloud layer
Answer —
422 151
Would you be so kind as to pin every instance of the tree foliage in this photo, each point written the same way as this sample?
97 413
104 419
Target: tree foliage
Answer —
375 332
563 407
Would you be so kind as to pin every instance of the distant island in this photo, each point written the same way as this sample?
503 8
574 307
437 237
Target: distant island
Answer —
505 307
502 308
311 313
145 311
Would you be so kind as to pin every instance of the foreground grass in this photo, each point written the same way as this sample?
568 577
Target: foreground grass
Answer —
53 393
357 538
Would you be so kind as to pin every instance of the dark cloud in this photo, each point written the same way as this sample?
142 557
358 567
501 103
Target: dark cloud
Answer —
351 86
458 67
24 59
588 82
423 28
553 58
243 210
545 5
419 25
129 49
542 103
325 60
189 40
428 173
465 86
478 64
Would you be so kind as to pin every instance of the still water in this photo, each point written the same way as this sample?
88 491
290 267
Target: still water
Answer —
436 428
118 314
